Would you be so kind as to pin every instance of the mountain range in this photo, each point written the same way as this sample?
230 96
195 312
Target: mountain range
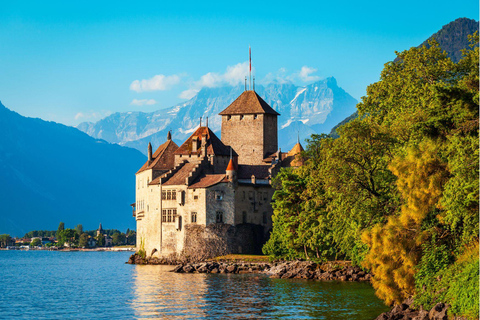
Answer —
315 108
52 173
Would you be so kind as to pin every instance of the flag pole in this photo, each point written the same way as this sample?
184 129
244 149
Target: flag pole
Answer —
250 58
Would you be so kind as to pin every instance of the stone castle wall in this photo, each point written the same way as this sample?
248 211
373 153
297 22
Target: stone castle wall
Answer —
245 134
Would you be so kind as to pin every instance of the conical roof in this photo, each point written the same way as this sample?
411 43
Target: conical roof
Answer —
297 148
230 166
249 102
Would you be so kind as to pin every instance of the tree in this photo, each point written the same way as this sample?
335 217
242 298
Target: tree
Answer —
61 227
4 240
79 229
83 240
67 235
36 242
100 240
118 239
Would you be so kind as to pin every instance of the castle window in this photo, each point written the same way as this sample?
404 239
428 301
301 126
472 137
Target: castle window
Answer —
241 117
169 194
174 195
164 215
218 195
164 195
195 197
254 116
174 214
244 217
229 117
194 217
264 218
169 215
219 217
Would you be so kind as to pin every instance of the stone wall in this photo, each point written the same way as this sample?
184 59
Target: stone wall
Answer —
270 134
246 135
220 239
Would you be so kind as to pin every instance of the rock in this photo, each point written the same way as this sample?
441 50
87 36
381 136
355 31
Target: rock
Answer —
439 312
368 276
343 278
354 277
188 268
231 268
383 316
214 270
422 315
178 269
202 269
361 273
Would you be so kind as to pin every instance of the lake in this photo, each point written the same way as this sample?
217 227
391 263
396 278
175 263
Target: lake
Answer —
88 285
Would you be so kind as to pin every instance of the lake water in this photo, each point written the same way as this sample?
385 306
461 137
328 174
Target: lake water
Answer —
99 285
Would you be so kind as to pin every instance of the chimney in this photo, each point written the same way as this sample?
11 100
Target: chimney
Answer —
149 152
204 144
195 144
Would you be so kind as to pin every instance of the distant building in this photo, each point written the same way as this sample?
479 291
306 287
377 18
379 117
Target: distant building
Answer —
213 189
108 239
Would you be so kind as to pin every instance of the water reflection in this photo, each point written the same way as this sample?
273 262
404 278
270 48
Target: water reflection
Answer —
160 293
163 294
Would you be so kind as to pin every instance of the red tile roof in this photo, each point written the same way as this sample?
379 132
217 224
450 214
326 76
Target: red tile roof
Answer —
163 158
249 102
208 180
214 145
179 177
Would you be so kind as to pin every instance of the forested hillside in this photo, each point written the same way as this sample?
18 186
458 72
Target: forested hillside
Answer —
397 192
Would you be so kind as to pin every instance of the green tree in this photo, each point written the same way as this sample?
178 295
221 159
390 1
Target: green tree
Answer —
66 236
36 242
118 239
4 240
61 227
79 229
83 240
100 240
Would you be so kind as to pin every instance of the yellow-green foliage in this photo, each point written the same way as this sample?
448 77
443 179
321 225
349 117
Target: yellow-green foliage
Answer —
141 252
395 248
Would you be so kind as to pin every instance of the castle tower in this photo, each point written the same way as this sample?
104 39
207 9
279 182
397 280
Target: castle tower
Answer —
249 126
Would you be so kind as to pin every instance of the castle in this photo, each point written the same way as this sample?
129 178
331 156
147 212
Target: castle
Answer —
212 189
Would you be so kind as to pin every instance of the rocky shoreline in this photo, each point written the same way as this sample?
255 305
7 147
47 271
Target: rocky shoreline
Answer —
281 270
405 311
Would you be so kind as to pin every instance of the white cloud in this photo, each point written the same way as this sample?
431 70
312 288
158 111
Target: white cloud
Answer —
143 102
305 74
233 75
92 115
158 82
188 94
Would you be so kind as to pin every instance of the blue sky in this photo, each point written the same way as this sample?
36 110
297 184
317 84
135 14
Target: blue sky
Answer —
78 61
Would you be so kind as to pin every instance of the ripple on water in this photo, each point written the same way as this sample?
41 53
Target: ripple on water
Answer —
86 285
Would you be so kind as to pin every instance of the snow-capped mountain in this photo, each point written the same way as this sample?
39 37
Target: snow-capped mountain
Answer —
315 108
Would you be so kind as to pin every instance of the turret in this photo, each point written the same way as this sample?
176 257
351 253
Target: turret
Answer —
149 152
230 172
169 135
